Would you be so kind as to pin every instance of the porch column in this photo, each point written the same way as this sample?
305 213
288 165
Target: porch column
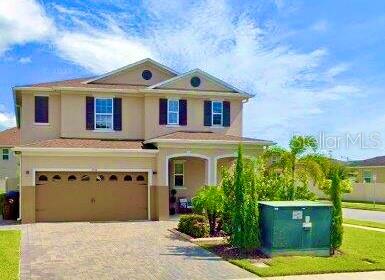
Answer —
212 171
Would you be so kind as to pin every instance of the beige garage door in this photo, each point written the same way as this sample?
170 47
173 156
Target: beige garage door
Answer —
82 196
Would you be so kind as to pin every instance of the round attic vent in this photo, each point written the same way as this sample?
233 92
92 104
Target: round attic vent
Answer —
146 74
195 81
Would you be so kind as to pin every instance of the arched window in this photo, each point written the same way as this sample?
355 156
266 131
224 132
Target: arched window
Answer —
127 178
113 178
43 178
71 178
56 178
140 178
85 178
99 178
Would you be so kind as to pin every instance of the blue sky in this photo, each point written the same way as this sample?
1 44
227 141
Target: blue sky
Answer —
316 67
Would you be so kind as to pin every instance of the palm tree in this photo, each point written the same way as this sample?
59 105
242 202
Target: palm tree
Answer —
297 164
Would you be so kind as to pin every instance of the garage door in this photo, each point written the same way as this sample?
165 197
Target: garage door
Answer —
82 196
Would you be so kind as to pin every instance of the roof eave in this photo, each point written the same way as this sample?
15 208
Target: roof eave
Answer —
224 142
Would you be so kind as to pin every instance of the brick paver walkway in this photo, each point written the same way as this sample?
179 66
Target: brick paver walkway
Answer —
131 250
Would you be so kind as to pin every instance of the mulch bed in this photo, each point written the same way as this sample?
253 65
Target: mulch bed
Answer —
226 251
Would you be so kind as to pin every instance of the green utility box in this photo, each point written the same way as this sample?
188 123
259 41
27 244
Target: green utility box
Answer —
295 227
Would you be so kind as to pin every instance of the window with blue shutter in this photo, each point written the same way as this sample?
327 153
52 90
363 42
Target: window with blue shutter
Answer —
162 111
90 110
226 113
41 109
207 113
182 112
117 114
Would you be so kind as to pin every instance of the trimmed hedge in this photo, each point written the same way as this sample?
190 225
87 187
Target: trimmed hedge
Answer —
194 225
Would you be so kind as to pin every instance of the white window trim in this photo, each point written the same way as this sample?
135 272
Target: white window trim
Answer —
177 112
112 115
41 123
212 113
371 176
3 154
175 174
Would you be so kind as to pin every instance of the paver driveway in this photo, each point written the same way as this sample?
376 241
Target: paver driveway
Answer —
127 250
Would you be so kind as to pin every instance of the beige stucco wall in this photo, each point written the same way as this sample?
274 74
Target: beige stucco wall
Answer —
378 171
210 152
134 76
74 120
194 176
8 168
185 83
195 112
30 131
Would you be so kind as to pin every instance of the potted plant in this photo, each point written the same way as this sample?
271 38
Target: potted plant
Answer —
172 201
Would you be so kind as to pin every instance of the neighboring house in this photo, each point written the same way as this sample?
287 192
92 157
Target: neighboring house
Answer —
9 179
112 147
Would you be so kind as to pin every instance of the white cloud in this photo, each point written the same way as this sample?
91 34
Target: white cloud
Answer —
25 60
320 26
22 21
99 51
7 120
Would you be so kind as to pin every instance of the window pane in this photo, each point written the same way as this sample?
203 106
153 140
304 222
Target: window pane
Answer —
178 168
217 119
173 105
104 106
103 121
217 107
5 154
179 180
173 118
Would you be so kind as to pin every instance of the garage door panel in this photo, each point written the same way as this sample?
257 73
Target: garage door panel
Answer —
89 196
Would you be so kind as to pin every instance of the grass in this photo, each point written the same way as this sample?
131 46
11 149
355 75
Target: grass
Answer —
362 250
9 254
363 205
364 223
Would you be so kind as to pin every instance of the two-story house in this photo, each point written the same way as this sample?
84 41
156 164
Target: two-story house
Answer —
112 147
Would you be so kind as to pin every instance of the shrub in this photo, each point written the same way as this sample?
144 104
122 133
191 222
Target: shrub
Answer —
194 225
209 200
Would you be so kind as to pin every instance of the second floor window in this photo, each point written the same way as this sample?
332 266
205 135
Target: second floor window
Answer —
173 112
41 109
217 112
5 154
104 114
368 177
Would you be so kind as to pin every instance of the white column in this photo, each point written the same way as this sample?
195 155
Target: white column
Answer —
212 179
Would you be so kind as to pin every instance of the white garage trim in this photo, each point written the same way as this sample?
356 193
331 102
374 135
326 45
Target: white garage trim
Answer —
149 178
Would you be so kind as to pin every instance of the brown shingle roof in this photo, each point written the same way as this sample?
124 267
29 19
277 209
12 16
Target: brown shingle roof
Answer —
10 137
205 136
80 83
87 143
376 161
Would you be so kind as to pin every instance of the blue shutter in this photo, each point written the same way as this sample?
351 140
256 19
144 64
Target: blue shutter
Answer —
226 113
41 109
182 112
162 111
90 116
207 113
117 114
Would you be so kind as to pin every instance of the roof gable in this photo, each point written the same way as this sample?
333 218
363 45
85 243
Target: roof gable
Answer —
132 74
207 83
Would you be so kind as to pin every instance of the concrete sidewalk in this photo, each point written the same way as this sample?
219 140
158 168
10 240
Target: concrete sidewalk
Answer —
371 275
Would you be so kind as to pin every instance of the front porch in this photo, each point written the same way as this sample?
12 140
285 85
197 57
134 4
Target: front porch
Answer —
187 174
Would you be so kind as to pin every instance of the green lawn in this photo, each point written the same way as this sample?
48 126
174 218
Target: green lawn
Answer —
364 223
363 205
362 250
9 254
